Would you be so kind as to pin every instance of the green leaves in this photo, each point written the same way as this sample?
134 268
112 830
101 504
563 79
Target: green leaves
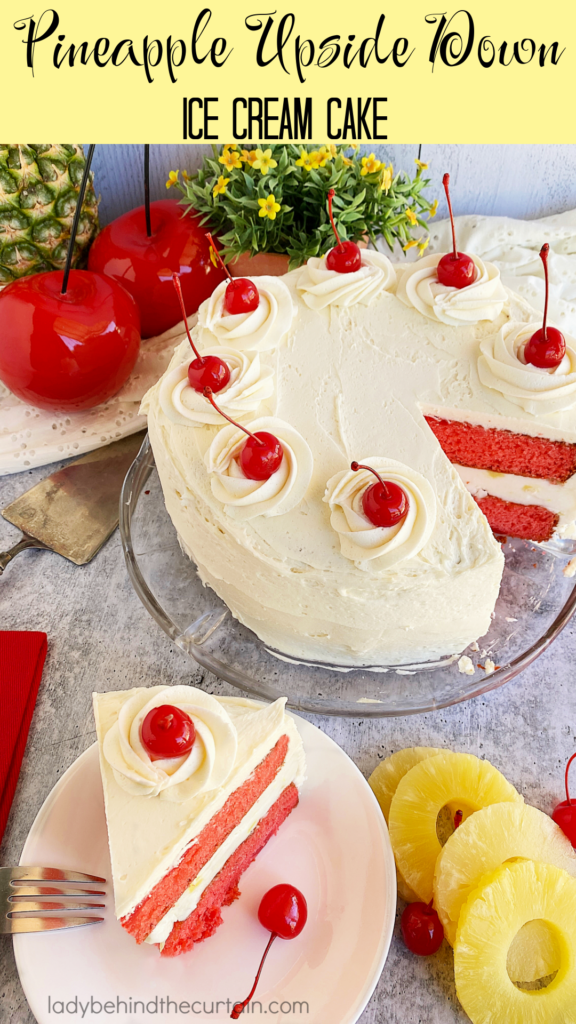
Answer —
365 204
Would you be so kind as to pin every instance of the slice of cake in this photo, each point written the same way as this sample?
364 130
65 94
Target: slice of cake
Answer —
194 786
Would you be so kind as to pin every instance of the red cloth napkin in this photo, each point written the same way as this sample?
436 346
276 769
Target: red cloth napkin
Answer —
21 662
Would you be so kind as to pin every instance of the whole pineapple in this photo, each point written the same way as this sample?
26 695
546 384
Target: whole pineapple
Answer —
39 187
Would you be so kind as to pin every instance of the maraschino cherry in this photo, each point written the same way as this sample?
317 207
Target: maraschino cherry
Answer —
204 371
565 813
422 929
167 732
455 269
283 910
262 454
344 258
546 348
384 503
242 295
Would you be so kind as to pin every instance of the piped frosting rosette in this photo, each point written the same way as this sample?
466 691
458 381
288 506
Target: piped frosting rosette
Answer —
245 499
360 540
263 329
321 287
250 384
484 299
205 767
501 367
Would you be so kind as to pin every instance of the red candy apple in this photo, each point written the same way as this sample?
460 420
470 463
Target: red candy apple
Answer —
67 351
145 265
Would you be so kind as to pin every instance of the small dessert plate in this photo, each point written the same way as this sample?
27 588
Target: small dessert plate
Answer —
334 847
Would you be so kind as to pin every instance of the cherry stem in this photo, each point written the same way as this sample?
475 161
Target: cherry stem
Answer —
218 256
239 1007
331 194
208 393
76 221
357 465
178 287
147 191
446 183
573 758
544 257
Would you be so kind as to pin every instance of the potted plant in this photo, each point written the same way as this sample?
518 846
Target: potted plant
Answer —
268 206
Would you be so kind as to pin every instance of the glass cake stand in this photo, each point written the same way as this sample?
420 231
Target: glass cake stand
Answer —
535 603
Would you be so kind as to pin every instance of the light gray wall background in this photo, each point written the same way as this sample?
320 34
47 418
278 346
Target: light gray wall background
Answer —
515 181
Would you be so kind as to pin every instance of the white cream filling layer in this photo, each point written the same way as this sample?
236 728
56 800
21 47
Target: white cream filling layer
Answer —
526 490
291 771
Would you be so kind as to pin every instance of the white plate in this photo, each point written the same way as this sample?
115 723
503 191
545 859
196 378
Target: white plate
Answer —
334 847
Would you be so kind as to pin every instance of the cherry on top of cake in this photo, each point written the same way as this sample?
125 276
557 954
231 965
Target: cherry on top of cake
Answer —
455 269
283 911
385 503
167 732
262 453
345 257
547 347
204 371
242 295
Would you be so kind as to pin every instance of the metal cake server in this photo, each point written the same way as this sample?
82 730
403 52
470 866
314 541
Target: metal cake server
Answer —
74 511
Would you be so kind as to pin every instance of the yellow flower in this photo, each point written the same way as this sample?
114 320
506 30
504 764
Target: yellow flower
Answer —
327 153
249 156
172 179
411 216
410 244
370 165
421 165
347 161
318 160
185 176
354 145
268 207
386 177
264 161
229 145
305 161
434 208
230 160
422 245
220 186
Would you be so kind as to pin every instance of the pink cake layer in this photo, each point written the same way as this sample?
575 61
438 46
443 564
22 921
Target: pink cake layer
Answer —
530 522
503 451
169 889
223 890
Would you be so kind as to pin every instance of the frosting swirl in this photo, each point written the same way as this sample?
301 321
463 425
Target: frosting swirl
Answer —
246 499
501 367
320 287
263 329
484 299
360 540
205 767
250 384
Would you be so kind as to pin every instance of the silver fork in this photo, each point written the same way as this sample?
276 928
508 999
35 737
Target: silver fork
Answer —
23 905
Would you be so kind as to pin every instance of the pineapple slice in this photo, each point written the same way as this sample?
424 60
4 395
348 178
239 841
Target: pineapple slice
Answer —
457 781
384 782
516 893
490 837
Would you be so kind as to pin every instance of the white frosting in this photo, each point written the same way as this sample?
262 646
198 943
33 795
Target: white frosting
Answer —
320 287
263 329
526 490
484 299
360 540
149 837
206 766
244 499
250 384
501 366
